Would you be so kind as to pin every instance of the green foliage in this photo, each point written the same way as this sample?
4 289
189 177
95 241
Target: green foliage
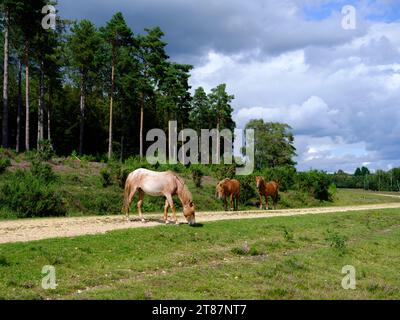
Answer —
29 196
337 241
364 179
246 250
316 183
288 234
45 151
285 176
43 172
106 177
223 171
4 163
274 144
197 175
247 189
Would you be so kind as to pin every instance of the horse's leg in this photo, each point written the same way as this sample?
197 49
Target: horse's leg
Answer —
266 202
225 204
130 198
232 204
171 204
261 203
237 202
166 206
139 205
275 200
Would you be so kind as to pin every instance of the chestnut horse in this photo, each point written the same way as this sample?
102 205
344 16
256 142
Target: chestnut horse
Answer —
266 190
229 188
154 183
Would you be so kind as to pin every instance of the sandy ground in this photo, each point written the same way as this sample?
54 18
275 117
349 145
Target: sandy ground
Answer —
44 228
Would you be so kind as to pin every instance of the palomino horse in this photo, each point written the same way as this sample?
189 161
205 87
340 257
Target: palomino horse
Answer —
229 188
266 190
155 183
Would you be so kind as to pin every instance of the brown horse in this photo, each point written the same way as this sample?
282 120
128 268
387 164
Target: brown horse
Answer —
267 189
229 188
154 183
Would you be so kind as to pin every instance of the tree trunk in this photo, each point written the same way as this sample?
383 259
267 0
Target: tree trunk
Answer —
40 132
111 107
48 114
218 142
123 133
19 108
141 123
27 108
121 154
5 83
82 119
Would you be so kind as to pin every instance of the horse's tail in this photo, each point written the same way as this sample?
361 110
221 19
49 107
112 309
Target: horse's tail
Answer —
127 191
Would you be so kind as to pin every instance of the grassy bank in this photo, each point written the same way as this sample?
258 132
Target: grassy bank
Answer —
81 185
290 257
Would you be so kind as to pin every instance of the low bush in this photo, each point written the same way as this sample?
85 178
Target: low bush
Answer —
106 178
197 175
43 172
247 189
4 163
316 183
45 150
29 196
285 176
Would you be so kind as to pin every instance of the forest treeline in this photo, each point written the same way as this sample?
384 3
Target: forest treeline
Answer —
94 90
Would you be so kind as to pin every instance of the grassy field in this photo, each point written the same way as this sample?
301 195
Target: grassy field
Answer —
299 257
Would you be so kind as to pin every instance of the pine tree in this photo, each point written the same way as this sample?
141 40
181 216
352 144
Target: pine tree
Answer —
83 45
117 34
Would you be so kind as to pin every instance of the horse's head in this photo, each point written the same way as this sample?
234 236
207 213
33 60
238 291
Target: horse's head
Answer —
259 181
189 212
219 190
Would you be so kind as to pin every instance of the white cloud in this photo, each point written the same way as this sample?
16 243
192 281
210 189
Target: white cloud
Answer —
348 94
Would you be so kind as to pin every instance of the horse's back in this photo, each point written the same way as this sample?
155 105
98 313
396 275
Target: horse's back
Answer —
272 188
232 186
235 185
153 182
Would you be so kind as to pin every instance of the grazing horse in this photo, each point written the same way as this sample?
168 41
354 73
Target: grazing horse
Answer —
266 190
154 183
229 188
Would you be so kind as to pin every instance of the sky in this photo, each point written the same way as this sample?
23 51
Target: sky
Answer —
289 61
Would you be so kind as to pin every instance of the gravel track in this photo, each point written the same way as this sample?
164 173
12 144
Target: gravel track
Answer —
44 228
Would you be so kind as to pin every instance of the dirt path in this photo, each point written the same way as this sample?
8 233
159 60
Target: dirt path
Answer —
44 228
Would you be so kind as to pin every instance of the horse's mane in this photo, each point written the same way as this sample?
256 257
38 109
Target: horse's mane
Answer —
185 193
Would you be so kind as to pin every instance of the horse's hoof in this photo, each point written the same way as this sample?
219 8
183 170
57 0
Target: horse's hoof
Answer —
143 221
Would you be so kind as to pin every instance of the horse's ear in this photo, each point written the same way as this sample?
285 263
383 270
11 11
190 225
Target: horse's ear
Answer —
191 203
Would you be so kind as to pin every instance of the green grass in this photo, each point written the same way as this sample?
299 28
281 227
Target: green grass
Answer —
298 257
345 197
